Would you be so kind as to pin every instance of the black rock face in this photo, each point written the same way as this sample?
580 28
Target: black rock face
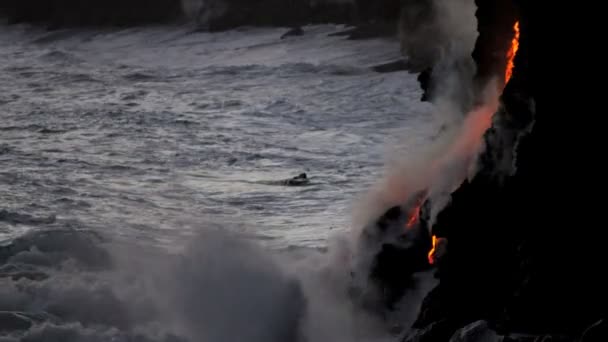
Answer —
397 250
522 253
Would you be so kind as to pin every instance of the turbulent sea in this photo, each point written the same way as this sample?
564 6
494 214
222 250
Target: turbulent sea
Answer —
129 159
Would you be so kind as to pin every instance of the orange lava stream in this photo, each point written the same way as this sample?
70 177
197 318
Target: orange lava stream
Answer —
512 52
431 255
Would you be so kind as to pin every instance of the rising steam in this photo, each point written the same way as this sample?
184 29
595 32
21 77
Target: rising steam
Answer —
441 34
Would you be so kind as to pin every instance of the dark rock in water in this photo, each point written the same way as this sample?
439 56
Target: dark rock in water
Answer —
299 180
398 65
424 78
296 31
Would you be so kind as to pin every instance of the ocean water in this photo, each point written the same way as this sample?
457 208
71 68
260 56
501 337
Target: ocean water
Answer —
120 150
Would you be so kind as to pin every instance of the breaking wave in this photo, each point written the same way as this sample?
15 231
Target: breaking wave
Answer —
70 285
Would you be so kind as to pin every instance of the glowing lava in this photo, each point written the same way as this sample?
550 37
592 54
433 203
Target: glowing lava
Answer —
512 52
431 254
478 122
414 217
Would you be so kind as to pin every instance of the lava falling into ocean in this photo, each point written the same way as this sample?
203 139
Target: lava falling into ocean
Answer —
512 52
484 120
431 255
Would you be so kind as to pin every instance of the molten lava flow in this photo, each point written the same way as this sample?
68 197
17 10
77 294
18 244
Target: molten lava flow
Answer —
477 122
414 217
431 254
512 52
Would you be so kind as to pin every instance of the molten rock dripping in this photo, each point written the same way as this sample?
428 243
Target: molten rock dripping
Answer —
431 254
438 249
512 52
414 217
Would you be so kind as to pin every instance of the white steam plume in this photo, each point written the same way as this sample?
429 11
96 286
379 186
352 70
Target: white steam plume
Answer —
440 34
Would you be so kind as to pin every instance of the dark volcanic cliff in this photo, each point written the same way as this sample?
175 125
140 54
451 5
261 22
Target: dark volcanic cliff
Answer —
523 254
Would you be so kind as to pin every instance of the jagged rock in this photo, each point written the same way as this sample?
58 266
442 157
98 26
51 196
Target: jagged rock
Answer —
395 253
424 78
